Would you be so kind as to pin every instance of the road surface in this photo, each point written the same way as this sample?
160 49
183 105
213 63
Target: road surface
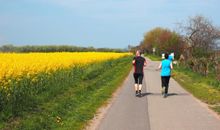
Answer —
179 111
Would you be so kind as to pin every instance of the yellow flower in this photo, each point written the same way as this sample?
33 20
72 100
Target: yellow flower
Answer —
15 65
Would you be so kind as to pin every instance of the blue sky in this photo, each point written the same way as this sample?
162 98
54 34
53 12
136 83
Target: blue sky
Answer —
98 23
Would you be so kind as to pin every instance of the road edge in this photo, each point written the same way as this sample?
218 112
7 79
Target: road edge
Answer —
94 123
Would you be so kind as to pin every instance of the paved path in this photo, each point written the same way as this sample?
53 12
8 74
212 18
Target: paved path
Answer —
179 111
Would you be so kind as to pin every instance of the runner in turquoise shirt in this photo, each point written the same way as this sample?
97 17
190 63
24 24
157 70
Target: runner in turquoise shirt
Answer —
165 66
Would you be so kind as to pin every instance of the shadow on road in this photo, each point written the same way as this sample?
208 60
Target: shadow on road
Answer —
145 94
177 94
159 94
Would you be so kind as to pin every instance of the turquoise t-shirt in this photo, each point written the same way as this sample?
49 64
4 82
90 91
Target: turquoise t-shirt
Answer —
170 58
165 68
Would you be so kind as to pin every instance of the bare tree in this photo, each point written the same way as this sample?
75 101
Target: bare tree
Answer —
201 35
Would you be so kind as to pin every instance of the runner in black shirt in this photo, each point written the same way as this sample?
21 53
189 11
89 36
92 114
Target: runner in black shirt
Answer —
139 63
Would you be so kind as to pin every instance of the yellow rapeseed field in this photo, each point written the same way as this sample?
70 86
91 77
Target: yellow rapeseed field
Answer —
19 64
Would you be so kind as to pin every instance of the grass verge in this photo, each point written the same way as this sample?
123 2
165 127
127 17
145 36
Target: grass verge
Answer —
199 86
74 103
153 57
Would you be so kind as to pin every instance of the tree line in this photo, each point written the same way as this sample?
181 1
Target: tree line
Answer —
195 44
54 48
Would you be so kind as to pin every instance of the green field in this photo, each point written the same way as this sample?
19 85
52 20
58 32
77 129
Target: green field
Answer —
66 99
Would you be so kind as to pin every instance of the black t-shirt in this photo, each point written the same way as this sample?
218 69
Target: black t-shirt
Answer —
139 64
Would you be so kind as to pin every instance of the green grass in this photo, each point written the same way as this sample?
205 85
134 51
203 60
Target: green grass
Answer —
217 109
73 100
199 86
153 57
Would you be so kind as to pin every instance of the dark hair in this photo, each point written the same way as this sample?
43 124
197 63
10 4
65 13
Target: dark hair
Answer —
166 55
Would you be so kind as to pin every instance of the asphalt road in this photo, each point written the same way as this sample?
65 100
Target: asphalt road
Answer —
179 111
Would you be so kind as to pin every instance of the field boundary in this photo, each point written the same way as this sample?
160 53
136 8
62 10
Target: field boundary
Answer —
102 111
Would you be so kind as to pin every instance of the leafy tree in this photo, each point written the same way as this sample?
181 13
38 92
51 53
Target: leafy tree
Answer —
163 40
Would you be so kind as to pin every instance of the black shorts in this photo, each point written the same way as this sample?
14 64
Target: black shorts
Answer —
138 78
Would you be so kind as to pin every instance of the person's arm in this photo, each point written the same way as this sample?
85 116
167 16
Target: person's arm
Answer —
145 63
171 65
159 67
133 62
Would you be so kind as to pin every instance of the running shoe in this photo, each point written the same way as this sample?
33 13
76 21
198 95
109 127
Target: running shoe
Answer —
165 95
136 93
140 93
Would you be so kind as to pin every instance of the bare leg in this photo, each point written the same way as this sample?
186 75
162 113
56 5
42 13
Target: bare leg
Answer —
140 87
136 87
